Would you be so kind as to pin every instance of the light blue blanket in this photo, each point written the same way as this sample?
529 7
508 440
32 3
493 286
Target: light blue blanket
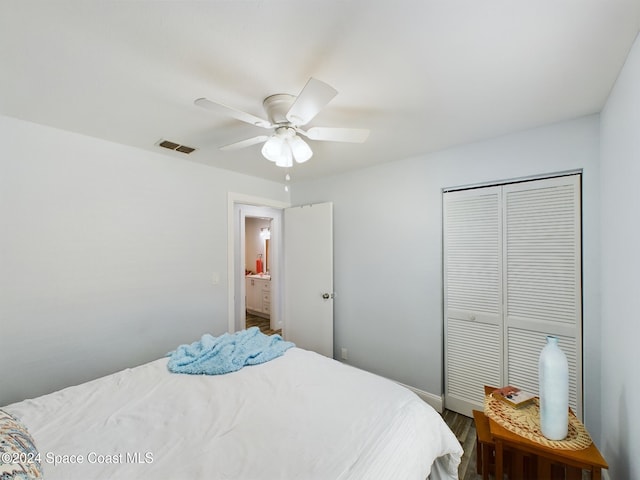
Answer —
227 353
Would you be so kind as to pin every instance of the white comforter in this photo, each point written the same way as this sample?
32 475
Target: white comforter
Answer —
299 417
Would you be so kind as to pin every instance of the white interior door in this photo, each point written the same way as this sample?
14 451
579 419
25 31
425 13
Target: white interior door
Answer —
308 277
472 295
543 273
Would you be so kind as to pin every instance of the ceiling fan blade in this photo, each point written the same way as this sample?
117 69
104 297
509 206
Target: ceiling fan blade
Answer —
232 112
353 135
245 143
313 97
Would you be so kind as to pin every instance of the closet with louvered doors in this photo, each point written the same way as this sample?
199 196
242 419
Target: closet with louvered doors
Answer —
512 276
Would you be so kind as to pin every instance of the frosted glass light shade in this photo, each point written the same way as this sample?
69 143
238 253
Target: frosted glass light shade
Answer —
301 151
286 158
272 148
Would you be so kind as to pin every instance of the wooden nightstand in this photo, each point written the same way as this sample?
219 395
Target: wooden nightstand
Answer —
485 446
513 461
549 462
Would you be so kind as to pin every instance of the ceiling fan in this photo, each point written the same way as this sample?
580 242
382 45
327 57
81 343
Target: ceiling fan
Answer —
286 115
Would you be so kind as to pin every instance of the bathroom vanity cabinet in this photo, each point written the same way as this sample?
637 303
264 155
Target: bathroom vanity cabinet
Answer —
258 295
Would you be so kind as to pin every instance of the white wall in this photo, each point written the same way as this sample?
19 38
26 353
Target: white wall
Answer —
388 247
107 255
620 159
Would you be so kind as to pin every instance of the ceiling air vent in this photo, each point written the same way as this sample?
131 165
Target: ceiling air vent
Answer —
175 146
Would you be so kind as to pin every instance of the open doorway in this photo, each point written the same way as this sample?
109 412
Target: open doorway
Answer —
258 275
243 264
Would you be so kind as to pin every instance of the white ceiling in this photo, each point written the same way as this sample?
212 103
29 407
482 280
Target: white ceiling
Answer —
421 75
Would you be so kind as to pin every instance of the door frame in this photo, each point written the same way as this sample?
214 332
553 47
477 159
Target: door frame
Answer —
235 241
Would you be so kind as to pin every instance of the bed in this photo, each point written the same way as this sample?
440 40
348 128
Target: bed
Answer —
300 416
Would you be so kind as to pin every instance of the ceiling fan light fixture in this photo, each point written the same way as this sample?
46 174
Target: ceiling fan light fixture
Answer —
284 146
301 151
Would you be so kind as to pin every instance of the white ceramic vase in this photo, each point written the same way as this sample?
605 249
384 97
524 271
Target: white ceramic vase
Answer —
553 372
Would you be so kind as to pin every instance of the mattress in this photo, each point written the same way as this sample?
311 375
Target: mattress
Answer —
301 416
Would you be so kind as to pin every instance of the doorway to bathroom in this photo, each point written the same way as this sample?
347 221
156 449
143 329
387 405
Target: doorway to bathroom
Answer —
257 274
258 277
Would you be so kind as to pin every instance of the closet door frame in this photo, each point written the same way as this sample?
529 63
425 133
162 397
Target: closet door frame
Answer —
520 328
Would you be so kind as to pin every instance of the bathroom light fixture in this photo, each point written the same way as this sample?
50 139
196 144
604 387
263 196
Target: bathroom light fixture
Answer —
265 233
284 146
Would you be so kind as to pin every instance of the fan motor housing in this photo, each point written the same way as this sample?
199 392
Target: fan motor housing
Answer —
277 107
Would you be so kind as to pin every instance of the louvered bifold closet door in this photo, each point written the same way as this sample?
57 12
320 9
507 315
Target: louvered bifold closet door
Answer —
543 280
472 245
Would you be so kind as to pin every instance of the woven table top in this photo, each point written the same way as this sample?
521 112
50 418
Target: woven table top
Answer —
525 421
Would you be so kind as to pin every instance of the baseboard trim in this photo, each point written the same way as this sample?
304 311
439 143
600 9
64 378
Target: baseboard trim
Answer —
434 400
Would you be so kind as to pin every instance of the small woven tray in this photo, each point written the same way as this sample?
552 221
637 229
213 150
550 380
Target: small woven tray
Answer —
525 421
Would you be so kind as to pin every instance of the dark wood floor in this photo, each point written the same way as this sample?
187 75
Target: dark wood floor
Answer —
465 430
262 324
